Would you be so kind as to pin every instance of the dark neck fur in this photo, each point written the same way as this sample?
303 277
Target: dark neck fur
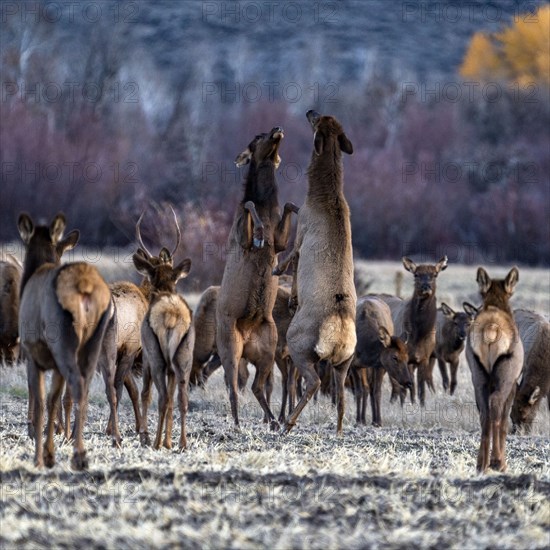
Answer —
421 316
34 259
261 186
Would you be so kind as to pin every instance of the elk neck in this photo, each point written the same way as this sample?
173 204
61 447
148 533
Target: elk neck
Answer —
422 314
325 174
36 257
260 185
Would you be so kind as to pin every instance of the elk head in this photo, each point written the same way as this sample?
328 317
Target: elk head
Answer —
44 244
326 131
425 276
264 147
497 292
395 357
460 321
163 276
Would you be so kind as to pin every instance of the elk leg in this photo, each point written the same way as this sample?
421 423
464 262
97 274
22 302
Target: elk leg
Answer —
482 400
268 392
282 231
170 409
258 231
67 409
242 378
36 382
293 384
31 406
108 373
454 370
183 401
429 373
146 396
283 368
53 404
230 350
160 384
79 393
421 381
340 373
443 371
261 353
131 388
365 393
376 396
313 382
59 428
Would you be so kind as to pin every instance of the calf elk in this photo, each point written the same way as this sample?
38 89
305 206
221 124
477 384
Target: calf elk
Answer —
452 329
323 327
62 319
534 383
495 357
167 336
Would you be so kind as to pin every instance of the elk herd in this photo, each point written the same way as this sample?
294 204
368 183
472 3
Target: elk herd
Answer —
66 319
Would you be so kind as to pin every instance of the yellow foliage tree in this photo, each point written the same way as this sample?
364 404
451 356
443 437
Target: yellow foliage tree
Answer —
520 53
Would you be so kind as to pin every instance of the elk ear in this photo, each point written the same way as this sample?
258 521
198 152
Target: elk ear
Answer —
243 158
534 396
471 310
164 256
409 265
404 337
25 227
57 227
441 265
182 270
69 242
345 144
447 311
143 265
483 280
142 253
318 142
384 336
511 280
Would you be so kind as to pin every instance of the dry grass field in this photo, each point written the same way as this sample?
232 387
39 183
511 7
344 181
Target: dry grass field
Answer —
409 484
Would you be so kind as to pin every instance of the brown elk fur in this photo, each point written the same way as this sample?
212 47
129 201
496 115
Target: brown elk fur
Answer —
74 301
379 351
323 327
245 326
534 383
495 357
10 279
416 318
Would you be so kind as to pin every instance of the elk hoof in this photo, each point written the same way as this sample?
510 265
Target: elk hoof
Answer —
274 425
49 459
79 461
30 430
117 442
59 429
498 465
144 439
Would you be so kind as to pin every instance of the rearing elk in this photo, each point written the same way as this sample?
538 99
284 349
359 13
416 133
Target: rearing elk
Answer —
167 336
245 326
495 357
62 319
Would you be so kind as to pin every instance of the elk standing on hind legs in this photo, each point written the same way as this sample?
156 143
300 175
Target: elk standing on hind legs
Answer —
323 327
62 319
245 326
167 336
495 357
